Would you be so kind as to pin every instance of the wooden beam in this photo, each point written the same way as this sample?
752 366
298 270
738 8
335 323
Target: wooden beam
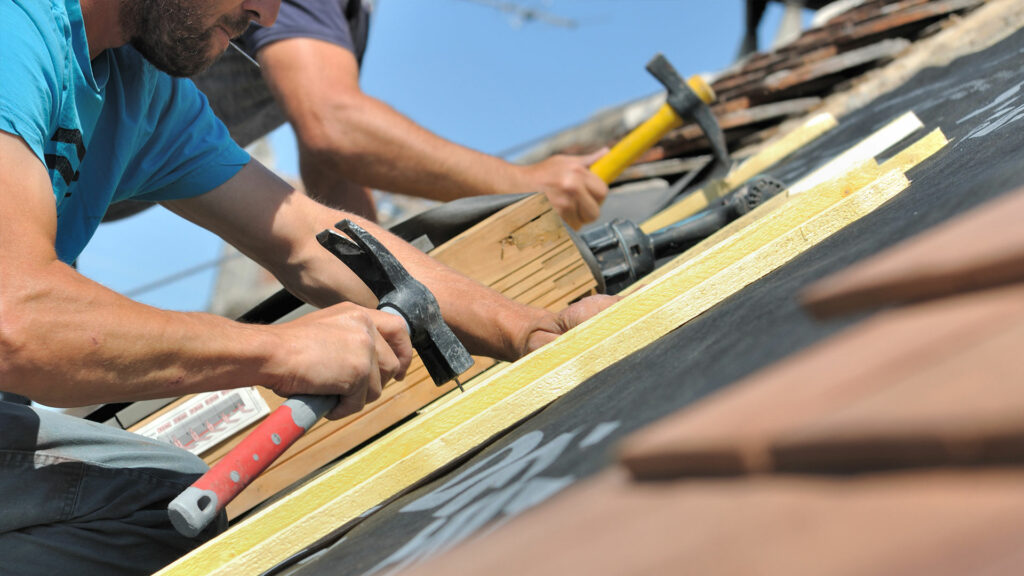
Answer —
809 74
875 144
755 115
404 456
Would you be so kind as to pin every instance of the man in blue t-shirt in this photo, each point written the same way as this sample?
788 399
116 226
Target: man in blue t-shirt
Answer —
88 116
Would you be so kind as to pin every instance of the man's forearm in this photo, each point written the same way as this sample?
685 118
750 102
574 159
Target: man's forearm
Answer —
376 146
68 341
347 135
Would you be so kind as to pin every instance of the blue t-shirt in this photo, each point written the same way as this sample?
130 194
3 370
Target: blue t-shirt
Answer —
107 130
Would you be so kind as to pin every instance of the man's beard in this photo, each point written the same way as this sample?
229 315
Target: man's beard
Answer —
171 34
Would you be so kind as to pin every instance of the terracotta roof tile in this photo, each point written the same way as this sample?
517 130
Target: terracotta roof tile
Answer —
980 249
933 523
738 430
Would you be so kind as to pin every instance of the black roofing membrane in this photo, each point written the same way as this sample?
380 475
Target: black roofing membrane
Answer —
978 101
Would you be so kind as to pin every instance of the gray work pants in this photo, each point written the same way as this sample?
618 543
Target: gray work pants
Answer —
81 498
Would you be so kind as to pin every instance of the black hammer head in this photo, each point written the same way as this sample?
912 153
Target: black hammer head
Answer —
440 350
689 106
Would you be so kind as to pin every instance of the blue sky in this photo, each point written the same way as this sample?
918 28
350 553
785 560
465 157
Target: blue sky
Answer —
472 74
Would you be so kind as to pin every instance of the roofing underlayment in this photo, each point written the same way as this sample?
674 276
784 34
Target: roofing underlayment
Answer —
827 385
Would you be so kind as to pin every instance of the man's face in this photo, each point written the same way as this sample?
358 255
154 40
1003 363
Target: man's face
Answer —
182 37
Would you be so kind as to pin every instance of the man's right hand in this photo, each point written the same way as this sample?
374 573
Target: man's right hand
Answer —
345 350
573 190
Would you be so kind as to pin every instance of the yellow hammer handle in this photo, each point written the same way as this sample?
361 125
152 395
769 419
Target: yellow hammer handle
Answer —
646 135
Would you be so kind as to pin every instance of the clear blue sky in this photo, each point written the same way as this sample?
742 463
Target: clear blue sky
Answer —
469 73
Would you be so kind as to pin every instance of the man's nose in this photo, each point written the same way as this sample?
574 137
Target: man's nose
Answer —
264 11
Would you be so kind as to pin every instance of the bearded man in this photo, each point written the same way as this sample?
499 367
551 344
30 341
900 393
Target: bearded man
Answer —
94 110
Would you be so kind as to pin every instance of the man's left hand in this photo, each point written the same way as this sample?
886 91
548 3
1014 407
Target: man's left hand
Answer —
567 319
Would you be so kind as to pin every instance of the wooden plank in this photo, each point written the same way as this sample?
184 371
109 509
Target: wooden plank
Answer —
491 248
757 164
674 140
733 432
791 80
871 15
754 69
750 85
525 273
725 105
402 457
870 10
870 147
981 249
905 22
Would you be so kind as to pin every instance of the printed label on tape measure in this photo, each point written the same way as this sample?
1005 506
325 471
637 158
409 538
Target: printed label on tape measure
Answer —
207 419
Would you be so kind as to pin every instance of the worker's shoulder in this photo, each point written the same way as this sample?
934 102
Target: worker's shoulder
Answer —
36 57
34 32
27 18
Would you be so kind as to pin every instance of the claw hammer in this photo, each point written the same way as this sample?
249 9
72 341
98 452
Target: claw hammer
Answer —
685 100
397 293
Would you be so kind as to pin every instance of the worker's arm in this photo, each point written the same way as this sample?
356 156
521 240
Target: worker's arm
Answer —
269 221
68 341
317 85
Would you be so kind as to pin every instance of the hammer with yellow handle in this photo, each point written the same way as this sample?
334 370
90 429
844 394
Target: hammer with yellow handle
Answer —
686 100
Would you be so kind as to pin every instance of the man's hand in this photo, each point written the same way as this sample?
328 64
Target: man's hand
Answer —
573 190
345 350
569 318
